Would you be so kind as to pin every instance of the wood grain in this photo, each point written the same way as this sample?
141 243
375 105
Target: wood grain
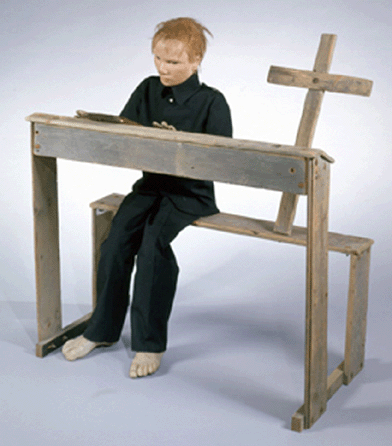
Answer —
356 315
316 358
265 167
252 227
306 129
317 80
47 254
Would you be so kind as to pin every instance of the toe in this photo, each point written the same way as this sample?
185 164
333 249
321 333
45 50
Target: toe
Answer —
144 364
142 370
133 371
152 368
67 346
69 355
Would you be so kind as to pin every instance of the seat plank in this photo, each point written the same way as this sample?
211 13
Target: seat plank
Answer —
236 224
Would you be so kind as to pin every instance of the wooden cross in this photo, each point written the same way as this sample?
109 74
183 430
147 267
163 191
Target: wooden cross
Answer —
317 81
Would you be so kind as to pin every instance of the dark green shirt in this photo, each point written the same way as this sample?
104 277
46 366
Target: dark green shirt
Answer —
189 107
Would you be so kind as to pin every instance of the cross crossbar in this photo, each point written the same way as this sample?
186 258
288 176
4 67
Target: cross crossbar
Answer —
314 80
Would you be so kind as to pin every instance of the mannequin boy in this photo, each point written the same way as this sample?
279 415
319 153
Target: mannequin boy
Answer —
158 207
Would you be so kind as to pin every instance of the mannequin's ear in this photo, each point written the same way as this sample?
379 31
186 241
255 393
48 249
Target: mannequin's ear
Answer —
195 63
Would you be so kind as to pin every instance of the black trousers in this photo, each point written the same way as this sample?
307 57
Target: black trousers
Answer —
143 227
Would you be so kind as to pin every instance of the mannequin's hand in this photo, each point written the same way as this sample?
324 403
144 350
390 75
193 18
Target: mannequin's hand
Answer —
163 125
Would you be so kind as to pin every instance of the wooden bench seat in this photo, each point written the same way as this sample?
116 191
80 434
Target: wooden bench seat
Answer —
346 244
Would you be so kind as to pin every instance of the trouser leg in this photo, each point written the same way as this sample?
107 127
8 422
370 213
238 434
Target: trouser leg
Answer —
156 278
115 268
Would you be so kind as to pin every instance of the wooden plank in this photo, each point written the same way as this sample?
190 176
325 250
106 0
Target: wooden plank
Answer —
306 129
348 244
46 237
237 224
72 330
324 54
334 382
247 167
356 315
310 115
298 420
109 203
316 360
286 214
198 139
316 80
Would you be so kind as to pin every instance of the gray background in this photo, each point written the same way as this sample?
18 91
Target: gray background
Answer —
233 373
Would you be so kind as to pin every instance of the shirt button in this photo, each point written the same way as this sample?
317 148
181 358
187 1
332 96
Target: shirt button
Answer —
171 100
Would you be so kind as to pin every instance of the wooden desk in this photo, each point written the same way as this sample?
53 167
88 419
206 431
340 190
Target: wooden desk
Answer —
257 164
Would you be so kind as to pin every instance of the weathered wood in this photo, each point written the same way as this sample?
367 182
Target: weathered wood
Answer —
46 235
103 117
72 330
237 224
316 360
334 382
316 80
356 315
310 115
323 60
287 209
306 129
247 167
198 139
298 420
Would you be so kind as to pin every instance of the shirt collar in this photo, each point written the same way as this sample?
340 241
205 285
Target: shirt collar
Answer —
183 91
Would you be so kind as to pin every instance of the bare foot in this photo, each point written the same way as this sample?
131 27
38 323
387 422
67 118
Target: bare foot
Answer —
80 347
145 363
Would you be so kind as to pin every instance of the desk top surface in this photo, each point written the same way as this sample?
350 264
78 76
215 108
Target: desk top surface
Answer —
177 136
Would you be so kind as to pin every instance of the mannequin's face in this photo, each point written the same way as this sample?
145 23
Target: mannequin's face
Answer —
172 62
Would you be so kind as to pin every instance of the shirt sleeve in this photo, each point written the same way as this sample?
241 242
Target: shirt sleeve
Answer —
219 117
132 107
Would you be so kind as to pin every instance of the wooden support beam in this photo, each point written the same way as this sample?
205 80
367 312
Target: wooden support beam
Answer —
334 382
356 315
48 345
307 127
316 360
317 81
47 252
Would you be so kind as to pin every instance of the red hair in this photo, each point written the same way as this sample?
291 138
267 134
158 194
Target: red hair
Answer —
186 30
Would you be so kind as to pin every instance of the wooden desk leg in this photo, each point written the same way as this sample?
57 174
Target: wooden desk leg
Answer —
47 256
356 315
51 335
316 359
